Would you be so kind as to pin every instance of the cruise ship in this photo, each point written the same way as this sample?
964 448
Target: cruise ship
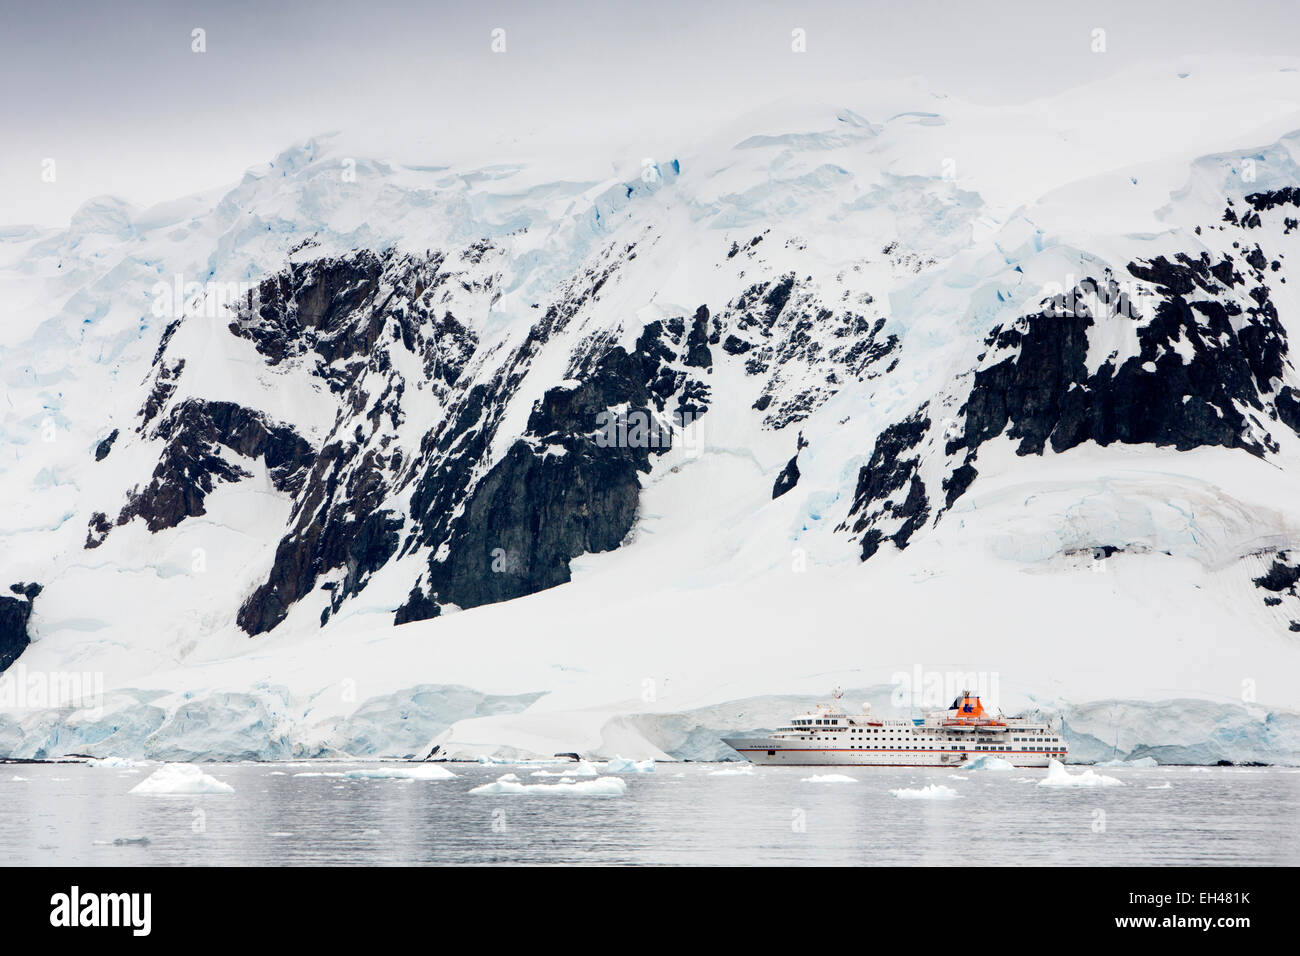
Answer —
943 738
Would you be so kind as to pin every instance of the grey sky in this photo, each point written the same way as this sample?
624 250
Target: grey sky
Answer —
113 93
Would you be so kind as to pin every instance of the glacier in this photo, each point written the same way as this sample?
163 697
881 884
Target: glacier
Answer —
341 496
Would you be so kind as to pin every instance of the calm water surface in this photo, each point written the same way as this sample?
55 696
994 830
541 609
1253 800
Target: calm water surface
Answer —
75 814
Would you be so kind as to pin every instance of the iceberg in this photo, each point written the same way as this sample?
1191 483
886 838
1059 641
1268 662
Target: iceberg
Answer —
829 778
180 778
1058 776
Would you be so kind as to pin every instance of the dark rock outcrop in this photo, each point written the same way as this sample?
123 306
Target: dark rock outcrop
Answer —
15 612
885 513
1281 576
193 462
789 476
105 446
787 479
1207 369
571 485
805 350
1042 393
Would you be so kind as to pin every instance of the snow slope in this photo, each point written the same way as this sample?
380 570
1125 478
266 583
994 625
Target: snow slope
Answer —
372 402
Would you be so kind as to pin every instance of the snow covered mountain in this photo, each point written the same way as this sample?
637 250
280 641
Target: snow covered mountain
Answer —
367 456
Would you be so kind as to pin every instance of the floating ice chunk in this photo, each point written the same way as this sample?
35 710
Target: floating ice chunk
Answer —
956 776
510 785
182 778
932 791
619 765
829 778
745 771
131 841
424 771
319 773
1058 776
1161 786
583 769
989 762
118 762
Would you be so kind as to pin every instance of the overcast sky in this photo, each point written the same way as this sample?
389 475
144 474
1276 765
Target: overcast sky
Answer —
114 95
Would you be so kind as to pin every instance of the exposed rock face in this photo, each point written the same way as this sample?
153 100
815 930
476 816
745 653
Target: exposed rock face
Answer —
890 498
106 446
789 476
1281 576
787 479
780 328
1280 582
1205 367
1185 397
14 615
571 484
416 463
347 319
197 435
